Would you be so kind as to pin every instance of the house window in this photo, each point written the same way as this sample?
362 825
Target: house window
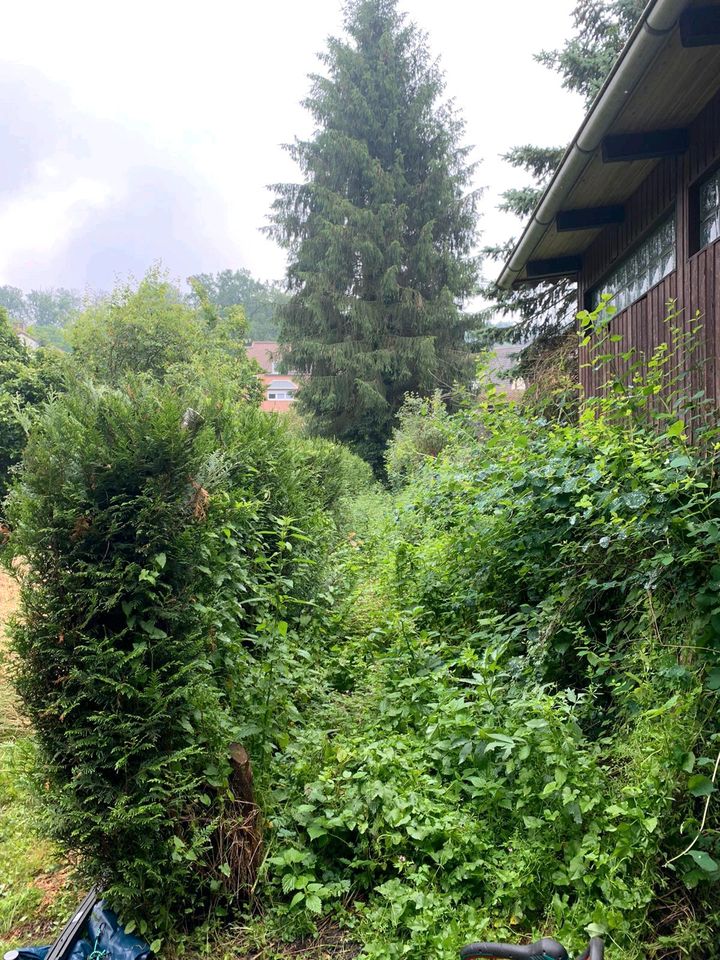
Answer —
647 265
708 194
281 395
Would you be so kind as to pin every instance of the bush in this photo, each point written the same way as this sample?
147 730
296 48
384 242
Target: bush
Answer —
150 329
114 649
424 428
166 567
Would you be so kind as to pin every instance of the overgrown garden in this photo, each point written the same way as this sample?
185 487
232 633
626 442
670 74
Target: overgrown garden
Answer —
260 694
478 702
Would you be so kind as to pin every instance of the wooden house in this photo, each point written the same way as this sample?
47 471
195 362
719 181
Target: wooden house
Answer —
634 208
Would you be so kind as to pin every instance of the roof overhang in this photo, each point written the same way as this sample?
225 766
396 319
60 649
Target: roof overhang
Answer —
667 72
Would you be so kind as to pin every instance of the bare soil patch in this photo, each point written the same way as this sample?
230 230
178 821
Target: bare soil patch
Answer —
8 599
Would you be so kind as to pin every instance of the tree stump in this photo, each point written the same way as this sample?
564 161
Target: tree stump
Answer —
239 836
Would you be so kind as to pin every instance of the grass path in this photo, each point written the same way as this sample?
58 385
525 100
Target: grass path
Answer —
36 889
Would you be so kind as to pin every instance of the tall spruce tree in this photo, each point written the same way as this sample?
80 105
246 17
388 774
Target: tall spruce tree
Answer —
600 29
380 233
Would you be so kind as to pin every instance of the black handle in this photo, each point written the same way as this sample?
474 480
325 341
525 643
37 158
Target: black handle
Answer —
595 950
512 951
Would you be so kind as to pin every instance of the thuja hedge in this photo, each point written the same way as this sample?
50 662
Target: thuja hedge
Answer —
155 544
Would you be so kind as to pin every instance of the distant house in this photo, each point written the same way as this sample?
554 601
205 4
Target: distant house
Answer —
633 209
26 340
280 389
501 364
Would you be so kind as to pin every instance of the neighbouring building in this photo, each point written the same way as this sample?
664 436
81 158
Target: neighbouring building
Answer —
634 207
502 362
26 340
280 389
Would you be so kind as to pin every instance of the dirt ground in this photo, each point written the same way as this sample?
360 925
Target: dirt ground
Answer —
8 600
11 721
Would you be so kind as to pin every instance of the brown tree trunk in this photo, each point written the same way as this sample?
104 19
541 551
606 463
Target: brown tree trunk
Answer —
239 837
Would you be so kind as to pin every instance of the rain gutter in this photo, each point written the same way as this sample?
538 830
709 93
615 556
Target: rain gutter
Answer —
647 39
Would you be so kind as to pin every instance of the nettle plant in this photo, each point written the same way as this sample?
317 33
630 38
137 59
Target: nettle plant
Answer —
665 387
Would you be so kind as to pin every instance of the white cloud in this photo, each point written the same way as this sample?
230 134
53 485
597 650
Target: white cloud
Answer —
211 91
42 219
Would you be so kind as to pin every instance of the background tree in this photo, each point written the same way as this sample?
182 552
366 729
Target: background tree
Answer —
380 232
12 300
52 308
152 329
43 313
260 301
600 30
26 379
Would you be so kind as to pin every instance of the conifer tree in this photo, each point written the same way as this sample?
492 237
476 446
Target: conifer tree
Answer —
380 232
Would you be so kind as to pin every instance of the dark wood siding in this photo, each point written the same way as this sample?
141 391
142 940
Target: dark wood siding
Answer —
692 284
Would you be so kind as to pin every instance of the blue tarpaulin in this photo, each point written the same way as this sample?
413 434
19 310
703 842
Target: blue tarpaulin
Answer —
103 935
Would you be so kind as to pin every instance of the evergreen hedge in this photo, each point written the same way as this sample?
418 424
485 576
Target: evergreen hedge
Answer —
160 551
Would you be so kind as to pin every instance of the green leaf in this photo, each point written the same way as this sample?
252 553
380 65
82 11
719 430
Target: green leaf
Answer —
703 860
675 429
314 903
713 680
156 945
700 785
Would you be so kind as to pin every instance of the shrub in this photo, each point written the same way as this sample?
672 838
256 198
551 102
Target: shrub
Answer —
424 428
173 544
150 329
114 650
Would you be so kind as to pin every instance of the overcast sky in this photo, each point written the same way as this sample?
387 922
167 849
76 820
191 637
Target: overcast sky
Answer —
149 129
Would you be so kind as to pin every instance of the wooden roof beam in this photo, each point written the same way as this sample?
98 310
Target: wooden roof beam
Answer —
700 26
589 218
554 267
650 145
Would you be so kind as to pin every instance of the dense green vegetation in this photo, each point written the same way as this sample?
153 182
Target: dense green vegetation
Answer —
380 233
261 302
480 703
161 556
479 700
516 728
26 379
150 328
169 538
